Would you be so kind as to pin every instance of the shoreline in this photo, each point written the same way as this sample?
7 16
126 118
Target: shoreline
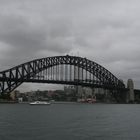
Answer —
63 102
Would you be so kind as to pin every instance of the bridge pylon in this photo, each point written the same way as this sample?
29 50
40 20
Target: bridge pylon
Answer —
130 93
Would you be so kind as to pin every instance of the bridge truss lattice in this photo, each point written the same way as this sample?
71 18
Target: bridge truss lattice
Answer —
71 70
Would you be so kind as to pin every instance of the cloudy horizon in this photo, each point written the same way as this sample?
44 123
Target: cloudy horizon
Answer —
106 32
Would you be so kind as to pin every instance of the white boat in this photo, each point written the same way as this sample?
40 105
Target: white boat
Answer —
40 103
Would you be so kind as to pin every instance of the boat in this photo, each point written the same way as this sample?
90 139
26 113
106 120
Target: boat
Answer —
40 103
87 100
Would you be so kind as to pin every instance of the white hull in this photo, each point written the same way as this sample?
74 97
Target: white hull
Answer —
40 103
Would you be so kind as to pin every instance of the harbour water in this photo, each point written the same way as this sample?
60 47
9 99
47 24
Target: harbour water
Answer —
70 122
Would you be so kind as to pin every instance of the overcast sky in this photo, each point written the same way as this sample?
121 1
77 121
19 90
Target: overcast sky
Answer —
105 31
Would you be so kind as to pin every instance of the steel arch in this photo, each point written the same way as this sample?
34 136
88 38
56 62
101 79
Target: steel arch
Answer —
13 77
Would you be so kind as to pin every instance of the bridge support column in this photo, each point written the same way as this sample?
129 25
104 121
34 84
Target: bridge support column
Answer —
93 93
108 98
80 91
130 94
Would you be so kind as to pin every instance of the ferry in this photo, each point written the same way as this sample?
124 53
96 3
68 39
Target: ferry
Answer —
40 103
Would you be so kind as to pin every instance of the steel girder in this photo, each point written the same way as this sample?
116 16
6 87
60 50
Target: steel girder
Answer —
13 77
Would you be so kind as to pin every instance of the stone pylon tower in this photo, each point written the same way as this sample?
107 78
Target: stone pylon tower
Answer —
130 86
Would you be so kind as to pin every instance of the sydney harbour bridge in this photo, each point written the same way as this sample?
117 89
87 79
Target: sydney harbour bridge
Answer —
67 70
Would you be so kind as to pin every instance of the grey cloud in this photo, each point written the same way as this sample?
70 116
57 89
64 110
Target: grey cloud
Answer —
104 31
19 33
28 40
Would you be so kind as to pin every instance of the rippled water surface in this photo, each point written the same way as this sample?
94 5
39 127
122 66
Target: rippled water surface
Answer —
70 122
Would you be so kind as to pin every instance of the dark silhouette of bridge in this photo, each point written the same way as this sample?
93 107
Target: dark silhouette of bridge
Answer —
68 70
